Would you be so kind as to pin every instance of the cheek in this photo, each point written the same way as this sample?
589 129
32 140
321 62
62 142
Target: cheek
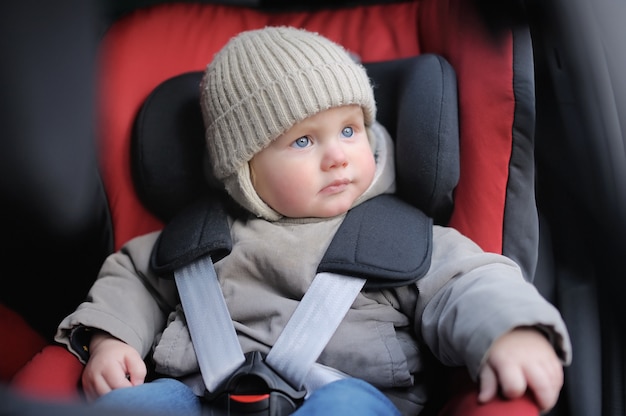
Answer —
283 189
368 167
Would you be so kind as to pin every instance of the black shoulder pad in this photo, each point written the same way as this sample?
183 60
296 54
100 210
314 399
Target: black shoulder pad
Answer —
198 230
385 240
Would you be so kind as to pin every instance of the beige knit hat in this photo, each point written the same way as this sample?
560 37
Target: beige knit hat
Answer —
259 85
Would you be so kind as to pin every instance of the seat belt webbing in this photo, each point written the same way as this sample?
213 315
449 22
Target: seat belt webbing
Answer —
212 332
311 326
303 339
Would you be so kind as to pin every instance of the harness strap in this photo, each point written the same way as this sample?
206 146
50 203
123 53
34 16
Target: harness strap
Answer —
303 339
212 332
311 326
370 245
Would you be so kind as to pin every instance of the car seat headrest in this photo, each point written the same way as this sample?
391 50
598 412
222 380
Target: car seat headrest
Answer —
417 103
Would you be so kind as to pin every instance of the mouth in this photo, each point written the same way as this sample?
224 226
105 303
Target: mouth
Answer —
335 186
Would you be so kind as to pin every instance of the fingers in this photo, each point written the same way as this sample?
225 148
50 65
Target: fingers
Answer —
545 383
521 361
512 381
488 385
96 384
543 378
111 366
136 370
509 380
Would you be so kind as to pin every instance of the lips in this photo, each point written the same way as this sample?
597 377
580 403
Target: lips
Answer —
335 186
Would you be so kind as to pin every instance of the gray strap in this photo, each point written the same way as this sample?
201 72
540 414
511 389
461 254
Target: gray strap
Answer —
212 332
303 339
311 326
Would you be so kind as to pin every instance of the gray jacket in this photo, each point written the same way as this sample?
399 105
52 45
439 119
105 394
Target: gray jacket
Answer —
467 299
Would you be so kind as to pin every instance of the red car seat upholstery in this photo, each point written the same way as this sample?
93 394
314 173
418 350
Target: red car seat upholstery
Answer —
494 199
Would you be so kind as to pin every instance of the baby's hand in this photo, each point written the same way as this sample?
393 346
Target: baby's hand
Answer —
112 364
522 360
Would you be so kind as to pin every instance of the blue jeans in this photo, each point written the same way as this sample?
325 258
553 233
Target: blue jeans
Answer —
349 397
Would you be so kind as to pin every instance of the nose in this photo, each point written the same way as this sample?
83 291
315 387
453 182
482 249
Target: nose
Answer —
334 156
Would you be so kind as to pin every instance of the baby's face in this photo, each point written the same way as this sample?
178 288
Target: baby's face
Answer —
319 167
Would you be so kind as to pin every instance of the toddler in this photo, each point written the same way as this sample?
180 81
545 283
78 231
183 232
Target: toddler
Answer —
291 133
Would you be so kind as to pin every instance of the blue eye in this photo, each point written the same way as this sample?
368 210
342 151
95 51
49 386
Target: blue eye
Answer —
347 132
301 142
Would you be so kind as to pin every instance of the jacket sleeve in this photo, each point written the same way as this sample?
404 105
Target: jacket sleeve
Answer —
126 300
469 298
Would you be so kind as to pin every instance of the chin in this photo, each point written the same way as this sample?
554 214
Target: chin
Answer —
335 210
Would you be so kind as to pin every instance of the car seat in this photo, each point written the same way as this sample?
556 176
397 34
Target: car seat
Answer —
494 199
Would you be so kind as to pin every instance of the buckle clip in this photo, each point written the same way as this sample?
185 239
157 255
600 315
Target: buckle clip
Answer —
255 389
